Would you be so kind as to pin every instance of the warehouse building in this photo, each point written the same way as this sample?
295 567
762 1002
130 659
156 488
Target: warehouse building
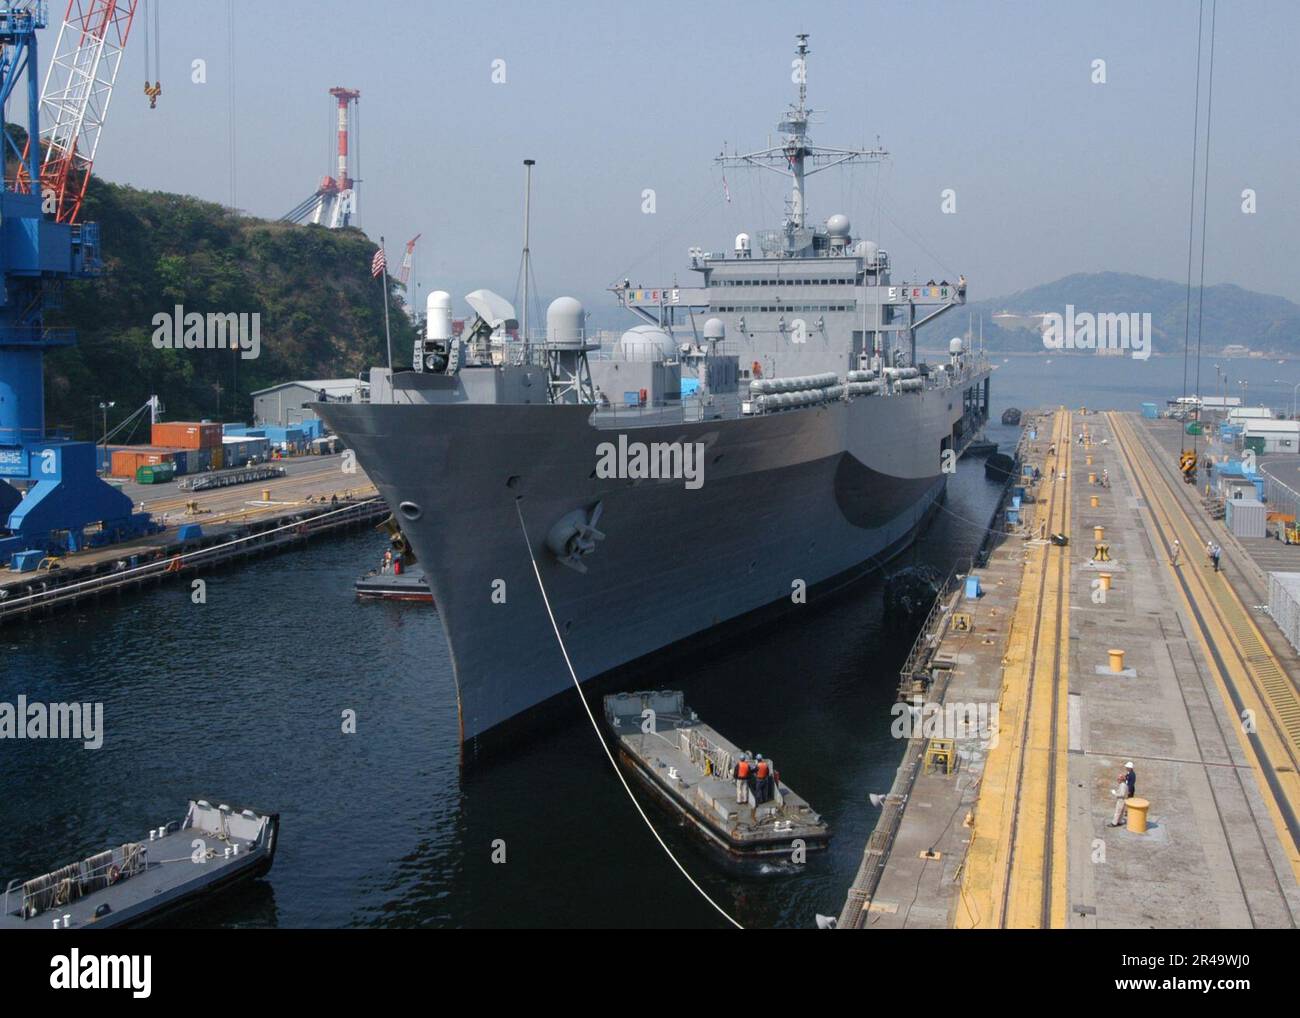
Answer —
283 405
1265 436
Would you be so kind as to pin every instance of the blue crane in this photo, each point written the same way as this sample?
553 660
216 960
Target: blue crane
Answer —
51 497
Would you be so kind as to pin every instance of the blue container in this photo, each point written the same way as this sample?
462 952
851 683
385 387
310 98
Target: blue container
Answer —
1150 411
973 591
189 532
26 561
180 460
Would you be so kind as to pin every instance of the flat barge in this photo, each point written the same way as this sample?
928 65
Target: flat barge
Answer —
378 585
689 769
135 884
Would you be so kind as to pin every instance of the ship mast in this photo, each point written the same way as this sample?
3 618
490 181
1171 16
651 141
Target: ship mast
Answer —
797 158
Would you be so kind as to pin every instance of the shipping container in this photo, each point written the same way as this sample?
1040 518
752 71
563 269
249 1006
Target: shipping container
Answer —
187 434
198 460
155 473
218 458
181 461
1284 604
1245 517
128 460
1150 411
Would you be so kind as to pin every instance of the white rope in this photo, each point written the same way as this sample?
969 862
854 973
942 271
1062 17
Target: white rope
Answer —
601 736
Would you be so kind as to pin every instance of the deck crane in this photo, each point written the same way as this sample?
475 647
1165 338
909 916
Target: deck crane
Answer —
74 100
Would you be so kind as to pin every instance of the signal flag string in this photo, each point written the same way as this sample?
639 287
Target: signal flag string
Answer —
600 735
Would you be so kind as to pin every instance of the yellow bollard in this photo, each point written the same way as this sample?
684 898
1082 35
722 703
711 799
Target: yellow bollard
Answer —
1137 814
1094 501
1087 461
1105 585
1092 478
266 494
1116 660
1098 533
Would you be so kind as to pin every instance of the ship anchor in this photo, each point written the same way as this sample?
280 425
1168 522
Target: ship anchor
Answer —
574 536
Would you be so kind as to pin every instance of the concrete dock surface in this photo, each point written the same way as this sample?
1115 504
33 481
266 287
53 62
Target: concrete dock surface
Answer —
1203 704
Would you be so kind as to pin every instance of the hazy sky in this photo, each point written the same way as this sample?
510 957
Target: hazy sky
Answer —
1053 174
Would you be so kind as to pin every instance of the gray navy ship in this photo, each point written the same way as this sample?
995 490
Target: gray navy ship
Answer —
764 433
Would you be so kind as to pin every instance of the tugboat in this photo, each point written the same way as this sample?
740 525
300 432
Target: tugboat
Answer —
690 770
981 447
135 883
1011 416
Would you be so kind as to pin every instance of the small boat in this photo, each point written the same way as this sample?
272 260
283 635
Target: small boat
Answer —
135 883
410 585
981 447
688 767
1011 416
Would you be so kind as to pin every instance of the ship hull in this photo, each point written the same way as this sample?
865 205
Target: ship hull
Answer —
787 502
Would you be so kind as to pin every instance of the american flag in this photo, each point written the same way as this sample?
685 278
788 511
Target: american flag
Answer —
378 263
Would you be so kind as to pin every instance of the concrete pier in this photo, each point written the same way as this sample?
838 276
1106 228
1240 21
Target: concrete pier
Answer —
315 497
1203 703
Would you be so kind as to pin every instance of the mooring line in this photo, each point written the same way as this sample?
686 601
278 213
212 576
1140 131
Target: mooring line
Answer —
600 735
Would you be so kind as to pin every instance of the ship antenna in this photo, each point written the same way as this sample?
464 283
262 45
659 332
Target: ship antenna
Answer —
525 265
796 158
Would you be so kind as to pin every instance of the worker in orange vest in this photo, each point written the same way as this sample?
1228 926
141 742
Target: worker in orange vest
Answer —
741 772
762 771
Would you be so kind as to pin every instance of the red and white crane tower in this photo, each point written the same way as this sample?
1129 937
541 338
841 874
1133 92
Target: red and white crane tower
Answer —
75 97
334 203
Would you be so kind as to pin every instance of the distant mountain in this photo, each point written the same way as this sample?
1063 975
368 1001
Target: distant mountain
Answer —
1233 315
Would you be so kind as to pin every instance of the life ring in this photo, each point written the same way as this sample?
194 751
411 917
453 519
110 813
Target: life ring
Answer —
174 566
757 370
114 873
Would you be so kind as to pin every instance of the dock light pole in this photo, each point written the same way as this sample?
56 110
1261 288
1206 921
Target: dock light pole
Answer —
1294 390
105 408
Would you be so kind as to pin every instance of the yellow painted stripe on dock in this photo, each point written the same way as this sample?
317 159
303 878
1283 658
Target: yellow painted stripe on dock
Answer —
1259 679
1015 870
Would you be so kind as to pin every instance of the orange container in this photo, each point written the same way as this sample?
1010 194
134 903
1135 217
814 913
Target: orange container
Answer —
187 435
127 461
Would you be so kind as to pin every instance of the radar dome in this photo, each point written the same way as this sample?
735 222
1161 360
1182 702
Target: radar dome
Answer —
645 343
742 242
714 329
564 322
954 345
838 225
868 251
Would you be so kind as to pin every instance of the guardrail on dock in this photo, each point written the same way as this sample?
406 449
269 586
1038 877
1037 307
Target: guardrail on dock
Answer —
69 586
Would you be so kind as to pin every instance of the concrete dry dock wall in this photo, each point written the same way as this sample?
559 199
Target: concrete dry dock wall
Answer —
921 828
1203 703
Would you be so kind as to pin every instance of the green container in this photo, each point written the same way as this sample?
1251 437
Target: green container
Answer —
1255 443
155 473
1194 428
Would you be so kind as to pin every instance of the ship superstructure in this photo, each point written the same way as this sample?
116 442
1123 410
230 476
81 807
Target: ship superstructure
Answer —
767 429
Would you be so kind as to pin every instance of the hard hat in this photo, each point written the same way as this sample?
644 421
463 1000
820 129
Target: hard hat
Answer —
1129 765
